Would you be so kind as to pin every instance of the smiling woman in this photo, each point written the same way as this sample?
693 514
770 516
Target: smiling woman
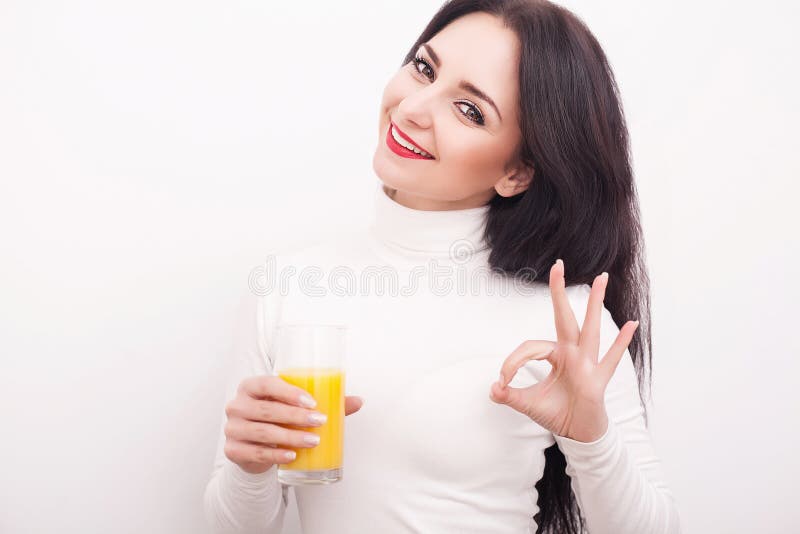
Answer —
502 155
457 96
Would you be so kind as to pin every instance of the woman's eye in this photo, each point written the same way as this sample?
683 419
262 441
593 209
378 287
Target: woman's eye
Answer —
419 61
475 116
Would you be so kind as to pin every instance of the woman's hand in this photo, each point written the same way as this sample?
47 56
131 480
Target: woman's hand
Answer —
254 435
570 400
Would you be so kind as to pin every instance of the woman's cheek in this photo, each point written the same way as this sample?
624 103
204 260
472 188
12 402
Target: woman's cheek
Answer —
479 166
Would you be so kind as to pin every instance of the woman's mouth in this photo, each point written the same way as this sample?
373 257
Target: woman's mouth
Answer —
401 146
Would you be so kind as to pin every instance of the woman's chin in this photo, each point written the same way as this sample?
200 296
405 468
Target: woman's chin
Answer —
385 170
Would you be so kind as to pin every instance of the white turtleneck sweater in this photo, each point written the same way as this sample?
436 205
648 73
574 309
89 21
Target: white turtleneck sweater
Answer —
429 452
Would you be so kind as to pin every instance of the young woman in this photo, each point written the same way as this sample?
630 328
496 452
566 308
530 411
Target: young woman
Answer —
503 157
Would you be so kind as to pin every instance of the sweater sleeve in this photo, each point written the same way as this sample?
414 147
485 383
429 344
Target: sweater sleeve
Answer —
618 479
236 501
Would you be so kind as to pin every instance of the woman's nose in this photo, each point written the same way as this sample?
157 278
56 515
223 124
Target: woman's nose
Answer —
417 108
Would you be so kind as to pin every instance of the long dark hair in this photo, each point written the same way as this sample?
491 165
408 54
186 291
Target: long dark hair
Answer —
582 204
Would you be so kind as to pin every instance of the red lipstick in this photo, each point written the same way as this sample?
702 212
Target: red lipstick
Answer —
399 149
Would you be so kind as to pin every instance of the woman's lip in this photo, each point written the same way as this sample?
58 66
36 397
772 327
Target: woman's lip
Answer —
402 134
400 150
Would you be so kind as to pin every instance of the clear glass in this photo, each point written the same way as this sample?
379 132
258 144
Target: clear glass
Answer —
312 357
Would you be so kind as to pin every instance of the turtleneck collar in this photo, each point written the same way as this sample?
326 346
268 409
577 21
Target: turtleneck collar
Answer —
428 233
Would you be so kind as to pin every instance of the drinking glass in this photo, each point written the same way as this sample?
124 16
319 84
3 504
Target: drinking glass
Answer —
312 357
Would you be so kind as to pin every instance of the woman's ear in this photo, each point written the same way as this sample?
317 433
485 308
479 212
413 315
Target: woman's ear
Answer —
515 182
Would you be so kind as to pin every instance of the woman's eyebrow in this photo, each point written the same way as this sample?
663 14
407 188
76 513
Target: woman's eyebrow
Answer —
467 86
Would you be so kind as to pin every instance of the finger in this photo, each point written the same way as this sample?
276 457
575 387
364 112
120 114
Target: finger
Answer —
352 404
267 411
517 398
274 387
567 330
612 358
268 433
253 454
590 331
528 350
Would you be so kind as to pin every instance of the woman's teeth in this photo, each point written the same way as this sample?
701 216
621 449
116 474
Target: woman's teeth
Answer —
408 145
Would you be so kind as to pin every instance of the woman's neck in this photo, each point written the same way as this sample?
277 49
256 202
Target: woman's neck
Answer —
420 233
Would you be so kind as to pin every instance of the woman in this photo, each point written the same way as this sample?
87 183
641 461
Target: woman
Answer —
502 156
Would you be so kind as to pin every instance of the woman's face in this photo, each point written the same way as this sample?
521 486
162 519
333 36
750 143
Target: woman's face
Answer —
471 142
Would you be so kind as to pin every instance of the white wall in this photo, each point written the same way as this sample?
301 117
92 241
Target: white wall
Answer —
151 153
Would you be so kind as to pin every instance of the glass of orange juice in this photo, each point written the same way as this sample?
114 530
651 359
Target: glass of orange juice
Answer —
312 357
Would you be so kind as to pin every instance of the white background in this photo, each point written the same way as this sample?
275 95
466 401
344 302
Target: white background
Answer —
152 153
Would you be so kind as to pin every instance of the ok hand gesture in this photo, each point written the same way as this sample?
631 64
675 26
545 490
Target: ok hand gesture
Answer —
570 401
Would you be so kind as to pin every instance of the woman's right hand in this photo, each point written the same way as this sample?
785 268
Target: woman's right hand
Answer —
255 439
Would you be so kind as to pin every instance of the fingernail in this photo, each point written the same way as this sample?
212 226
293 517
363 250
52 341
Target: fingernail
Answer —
636 323
502 380
290 455
311 439
307 401
559 261
604 275
317 418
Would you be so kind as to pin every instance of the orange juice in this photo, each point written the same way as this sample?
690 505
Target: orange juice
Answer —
326 386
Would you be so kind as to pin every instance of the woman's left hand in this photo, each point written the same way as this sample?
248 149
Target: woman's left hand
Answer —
570 401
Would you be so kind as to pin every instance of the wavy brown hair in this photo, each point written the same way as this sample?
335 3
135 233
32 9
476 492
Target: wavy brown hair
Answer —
582 204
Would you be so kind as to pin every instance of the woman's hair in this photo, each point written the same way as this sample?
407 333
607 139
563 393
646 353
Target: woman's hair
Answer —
582 203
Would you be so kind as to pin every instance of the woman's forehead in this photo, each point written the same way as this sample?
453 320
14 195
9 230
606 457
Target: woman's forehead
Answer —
477 48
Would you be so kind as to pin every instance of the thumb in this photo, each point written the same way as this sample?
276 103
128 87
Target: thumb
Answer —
352 404
512 397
